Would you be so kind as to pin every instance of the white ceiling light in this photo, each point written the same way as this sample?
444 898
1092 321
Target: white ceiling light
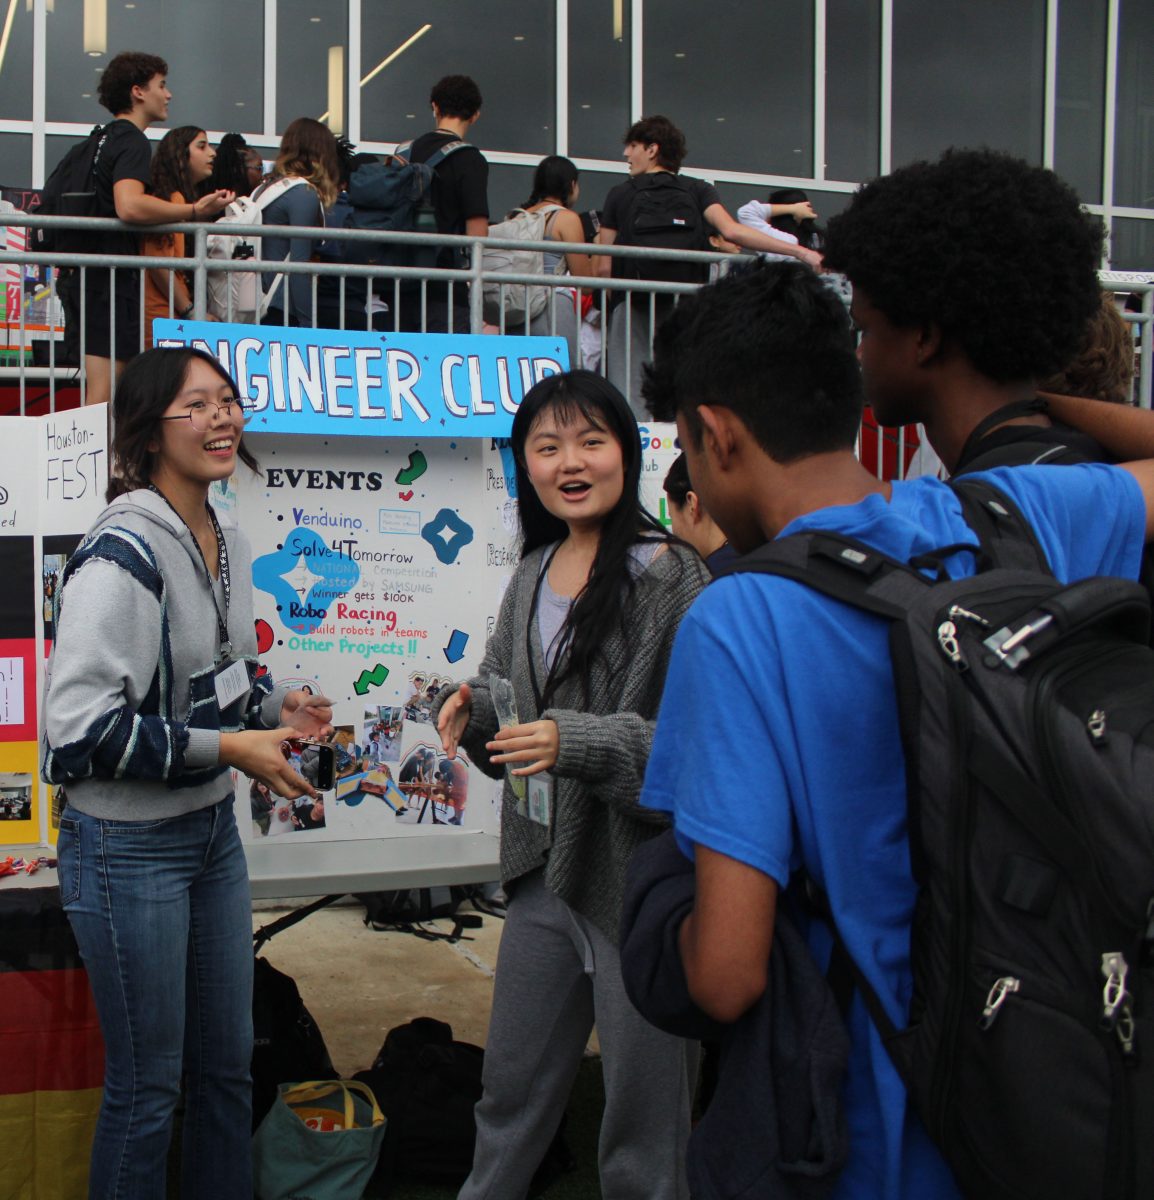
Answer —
336 112
95 26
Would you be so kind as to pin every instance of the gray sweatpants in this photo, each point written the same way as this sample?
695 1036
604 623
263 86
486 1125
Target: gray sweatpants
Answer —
557 975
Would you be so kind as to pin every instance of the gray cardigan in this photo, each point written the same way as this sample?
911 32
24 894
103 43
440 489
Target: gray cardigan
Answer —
604 747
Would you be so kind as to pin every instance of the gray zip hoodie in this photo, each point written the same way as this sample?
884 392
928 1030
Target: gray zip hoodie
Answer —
132 724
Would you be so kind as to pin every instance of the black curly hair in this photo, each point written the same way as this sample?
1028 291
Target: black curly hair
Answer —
127 70
774 345
660 131
456 96
999 254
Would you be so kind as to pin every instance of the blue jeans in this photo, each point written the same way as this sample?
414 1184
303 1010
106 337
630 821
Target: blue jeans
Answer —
163 917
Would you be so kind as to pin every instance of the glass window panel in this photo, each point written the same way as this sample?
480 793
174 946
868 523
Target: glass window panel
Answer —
15 162
1132 245
596 185
1080 100
509 187
1134 138
305 29
968 73
599 64
737 79
508 47
214 51
852 89
16 64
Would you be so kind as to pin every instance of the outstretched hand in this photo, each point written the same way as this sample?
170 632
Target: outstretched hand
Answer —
453 718
534 744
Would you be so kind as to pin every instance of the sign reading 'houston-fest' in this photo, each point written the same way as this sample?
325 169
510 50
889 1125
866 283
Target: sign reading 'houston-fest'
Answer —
346 382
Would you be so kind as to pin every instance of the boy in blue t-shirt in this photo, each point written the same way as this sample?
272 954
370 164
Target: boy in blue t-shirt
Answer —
805 760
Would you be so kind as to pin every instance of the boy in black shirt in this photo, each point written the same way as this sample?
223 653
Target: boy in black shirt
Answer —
134 89
460 197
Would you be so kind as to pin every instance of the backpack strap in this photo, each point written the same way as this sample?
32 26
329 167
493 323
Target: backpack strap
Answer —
839 567
1019 408
1004 533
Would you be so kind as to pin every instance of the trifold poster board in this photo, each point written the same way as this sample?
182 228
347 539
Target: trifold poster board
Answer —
384 531
53 472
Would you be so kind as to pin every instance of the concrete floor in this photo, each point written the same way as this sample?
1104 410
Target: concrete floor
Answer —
358 983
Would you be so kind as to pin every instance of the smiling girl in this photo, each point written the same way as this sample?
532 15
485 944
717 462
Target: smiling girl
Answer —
152 694
183 160
584 636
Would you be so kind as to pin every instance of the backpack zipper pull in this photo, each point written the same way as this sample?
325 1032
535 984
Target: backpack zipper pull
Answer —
997 997
1096 726
1114 995
956 610
948 641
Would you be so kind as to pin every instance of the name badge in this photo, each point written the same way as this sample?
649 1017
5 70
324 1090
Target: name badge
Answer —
540 801
231 683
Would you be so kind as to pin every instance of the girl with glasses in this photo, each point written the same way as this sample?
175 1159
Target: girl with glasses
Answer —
152 695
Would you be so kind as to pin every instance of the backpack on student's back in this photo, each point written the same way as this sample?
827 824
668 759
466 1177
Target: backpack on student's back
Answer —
664 214
517 303
1027 719
238 295
424 218
386 196
70 192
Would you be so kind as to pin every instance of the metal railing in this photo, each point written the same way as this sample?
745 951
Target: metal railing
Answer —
408 297
614 337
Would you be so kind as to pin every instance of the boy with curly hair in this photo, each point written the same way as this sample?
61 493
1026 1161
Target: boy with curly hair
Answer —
974 278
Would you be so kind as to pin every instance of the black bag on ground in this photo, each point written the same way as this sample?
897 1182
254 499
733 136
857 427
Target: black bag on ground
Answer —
409 906
427 1085
287 1045
70 192
1027 717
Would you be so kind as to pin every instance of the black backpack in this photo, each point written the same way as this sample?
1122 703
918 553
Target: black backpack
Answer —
288 1047
424 215
1027 719
70 192
427 1085
663 213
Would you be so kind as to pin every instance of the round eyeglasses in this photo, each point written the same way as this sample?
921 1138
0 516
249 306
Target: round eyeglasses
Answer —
204 414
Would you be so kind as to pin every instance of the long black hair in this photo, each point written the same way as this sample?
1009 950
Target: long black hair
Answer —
605 598
150 383
808 233
552 180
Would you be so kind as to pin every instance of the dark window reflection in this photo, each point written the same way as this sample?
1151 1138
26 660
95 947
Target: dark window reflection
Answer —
968 73
214 50
15 160
853 89
305 29
737 78
16 66
508 48
599 59
1080 102
1134 142
1132 245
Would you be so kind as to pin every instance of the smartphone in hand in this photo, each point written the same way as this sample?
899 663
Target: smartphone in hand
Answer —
315 761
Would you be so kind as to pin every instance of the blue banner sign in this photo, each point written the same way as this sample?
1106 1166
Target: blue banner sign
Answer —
341 381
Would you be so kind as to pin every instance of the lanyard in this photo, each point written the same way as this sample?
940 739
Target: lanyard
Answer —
537 694
223 643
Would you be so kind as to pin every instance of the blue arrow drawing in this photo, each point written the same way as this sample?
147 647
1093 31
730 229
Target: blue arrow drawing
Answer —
455 650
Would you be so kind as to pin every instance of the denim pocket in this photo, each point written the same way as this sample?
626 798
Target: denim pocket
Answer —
113 828
68 861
